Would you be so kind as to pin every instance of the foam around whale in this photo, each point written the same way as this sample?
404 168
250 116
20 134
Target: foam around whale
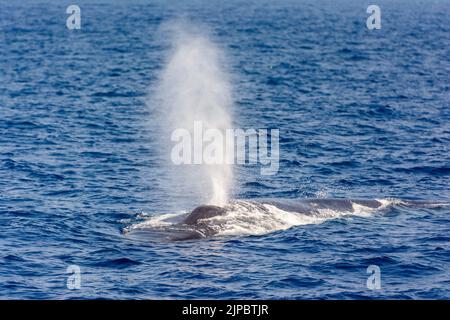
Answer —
250 217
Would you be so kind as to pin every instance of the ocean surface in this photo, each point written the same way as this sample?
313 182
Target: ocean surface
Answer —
362 114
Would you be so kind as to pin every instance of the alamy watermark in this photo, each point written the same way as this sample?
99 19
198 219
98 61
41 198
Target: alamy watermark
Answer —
374 20
230 146
74 20
74 279
374 280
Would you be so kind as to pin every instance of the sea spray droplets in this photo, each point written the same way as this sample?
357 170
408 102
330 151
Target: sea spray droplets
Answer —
194 87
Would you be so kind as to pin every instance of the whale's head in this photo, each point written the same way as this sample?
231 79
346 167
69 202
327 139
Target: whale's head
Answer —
203 212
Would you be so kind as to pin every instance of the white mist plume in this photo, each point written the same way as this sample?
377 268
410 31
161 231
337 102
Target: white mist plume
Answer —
194 87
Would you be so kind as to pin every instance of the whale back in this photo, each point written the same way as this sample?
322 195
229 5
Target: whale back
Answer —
203 212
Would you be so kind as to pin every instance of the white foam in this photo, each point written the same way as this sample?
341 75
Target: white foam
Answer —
253 218
257 220
390 201
156 221
361 211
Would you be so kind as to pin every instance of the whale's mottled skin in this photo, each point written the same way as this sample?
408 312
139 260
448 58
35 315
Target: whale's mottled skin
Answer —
200 222
311 206
307 206
195 220
199 228
203 212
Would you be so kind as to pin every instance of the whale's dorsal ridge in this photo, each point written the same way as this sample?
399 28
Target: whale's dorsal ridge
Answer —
203 212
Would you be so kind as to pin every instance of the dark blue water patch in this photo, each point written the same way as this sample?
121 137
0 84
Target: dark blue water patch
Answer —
117 94
13 258
258 185
119 263
438 171
295 283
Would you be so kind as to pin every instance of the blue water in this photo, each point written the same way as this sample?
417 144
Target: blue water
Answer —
362 114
